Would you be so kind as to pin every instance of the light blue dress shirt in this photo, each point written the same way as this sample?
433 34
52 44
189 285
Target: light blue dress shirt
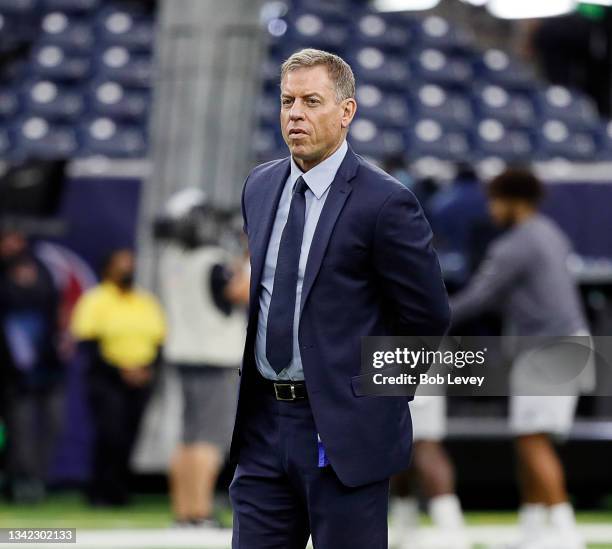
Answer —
318 180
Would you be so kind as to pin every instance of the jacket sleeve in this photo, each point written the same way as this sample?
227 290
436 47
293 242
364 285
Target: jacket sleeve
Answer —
408 269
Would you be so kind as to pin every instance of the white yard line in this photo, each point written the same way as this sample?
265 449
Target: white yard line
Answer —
202 538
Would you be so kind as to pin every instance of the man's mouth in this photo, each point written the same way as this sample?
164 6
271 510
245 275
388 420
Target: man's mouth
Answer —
296 132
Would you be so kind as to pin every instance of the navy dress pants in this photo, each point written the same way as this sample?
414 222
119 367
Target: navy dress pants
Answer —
280 495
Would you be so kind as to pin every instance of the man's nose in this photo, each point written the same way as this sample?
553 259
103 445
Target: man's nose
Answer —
296 112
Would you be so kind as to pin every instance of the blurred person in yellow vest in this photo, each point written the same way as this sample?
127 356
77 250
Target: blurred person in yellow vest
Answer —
121 330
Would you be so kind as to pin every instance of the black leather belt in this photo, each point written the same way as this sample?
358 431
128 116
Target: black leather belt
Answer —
287 390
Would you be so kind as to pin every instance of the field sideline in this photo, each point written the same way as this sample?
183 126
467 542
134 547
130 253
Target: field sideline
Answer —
145 525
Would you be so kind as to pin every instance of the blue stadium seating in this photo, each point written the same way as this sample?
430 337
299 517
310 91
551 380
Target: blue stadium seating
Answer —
492 138
51 101
36 137
423 87
104 136
9 103
451 109
374 31
438 67
18 7
59 63
119 64
5 142
437 33
500 68
556 139
117 27
373 66
370 140
427 137
511 108
383 108
73 6
573 108
67 30
110 99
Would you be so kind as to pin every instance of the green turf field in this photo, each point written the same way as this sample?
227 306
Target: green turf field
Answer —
153 511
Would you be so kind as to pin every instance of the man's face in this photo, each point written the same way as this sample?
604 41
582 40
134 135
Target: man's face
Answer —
501 211
312 121
121 269
12 244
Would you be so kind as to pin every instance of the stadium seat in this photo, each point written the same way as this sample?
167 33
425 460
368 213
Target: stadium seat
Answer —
9 103
119 64
307 29
605 140
373 141
497 67
436 66
375 31
51 101
103 136
5 143
121 28
36 137
18 7
386 109
70 32
573 108
373 66
110 99
334 10
427 137
57 63
270 74
70 5
437 33
512 109
556 139
268 108
493 139
451 109
15 30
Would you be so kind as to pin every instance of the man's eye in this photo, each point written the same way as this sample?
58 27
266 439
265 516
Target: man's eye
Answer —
313 101
286 102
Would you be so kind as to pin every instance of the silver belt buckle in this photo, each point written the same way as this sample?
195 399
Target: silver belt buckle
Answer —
292 388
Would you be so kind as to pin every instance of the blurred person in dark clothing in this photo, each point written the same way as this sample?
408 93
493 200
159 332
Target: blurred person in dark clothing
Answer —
121 330
30 368
457 209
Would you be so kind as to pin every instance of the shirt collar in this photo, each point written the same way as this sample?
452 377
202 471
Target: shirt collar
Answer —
321 176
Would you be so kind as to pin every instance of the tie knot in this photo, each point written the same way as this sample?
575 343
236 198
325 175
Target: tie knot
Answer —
300 186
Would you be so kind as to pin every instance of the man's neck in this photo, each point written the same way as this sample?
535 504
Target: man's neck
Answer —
524 214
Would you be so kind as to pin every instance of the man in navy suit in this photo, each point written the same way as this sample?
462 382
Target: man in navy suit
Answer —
339 250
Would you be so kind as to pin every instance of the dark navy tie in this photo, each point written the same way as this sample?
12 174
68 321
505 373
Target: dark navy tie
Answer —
279 331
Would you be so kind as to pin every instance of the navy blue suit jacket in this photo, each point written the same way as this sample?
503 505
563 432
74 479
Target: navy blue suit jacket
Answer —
371 270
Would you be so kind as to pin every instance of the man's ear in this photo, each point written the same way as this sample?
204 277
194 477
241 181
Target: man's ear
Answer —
349 107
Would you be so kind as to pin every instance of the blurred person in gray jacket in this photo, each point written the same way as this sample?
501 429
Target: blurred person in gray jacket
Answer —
525 276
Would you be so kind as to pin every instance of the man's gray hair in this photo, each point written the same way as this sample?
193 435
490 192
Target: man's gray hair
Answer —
338 69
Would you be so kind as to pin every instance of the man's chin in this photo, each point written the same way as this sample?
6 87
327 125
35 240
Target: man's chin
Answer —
300 152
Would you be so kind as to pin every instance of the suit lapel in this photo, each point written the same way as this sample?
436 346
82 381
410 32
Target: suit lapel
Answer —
339 191
266 208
